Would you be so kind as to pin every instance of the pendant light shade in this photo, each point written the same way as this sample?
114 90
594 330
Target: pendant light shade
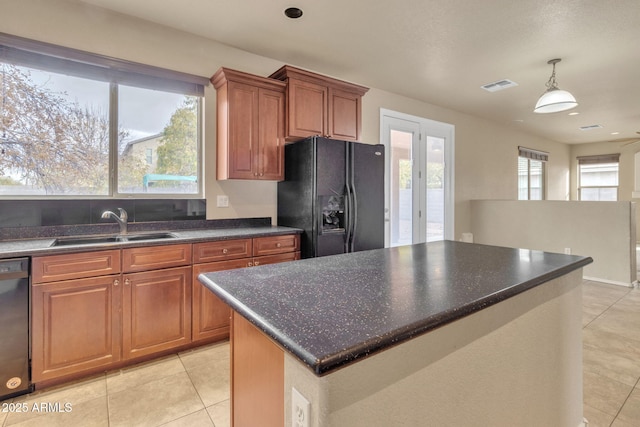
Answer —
554 99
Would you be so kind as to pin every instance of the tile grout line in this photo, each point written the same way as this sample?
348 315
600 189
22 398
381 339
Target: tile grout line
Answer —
606 309
196 390
625 402
637 381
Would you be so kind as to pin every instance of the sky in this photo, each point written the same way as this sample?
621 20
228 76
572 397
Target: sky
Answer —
142 112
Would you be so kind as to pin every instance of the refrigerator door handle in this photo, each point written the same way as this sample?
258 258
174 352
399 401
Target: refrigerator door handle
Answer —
354 197
351 199
348 206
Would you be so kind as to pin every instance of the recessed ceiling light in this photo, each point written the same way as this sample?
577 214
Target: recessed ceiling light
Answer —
574 113
293 12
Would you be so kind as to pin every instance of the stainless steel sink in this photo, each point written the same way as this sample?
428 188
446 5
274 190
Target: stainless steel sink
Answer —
96 240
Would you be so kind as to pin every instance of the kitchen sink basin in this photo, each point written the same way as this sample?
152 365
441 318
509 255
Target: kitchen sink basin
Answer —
96 240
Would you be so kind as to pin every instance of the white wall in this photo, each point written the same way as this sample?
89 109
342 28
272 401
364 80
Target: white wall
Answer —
516 363
486 152
604 231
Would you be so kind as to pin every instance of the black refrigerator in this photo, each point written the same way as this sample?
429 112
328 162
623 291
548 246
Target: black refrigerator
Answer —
334 191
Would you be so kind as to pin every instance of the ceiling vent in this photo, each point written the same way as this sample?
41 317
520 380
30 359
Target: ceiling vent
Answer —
590 127
499 85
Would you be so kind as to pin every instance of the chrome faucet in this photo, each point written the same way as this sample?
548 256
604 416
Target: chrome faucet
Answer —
122 219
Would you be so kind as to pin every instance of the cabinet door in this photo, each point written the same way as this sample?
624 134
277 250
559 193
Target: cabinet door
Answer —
210 313
156 312
344 115
270 152
306 109
75 326
243 131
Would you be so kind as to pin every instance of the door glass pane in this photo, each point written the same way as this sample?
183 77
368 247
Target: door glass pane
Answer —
400 214
435 188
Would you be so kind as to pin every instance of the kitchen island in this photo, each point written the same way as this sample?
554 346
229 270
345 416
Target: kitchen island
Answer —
444 333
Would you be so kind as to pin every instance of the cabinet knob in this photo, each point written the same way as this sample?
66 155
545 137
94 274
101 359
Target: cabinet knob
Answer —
225 250
249 264
278 245
127 282
116 282
256 263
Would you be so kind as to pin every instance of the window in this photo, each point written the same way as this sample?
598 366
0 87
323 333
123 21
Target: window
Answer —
75 124
531 174
598 177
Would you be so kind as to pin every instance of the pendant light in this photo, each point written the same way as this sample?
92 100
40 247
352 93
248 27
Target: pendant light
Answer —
554 99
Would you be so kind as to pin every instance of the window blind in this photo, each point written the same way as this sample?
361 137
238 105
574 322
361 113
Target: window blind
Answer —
35 54
529 153
598 159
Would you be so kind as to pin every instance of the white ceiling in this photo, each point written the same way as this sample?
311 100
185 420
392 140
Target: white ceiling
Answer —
442 51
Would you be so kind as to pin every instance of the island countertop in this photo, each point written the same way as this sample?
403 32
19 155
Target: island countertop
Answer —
331 311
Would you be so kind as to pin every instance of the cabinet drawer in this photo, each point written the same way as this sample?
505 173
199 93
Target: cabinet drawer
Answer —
274 259
155 257
75 266
276 244
221 250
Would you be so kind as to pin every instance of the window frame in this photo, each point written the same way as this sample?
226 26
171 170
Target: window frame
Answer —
63 60
535 155
598 160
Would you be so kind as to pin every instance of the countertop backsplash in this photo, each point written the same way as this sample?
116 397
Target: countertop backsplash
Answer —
32 219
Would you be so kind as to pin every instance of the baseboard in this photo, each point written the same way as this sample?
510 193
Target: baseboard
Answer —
611 282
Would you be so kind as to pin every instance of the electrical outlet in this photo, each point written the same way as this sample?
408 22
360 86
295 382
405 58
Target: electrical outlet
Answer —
300 409
223 201
567 251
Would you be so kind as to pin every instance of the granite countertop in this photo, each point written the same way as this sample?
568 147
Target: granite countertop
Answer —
331 311
43 246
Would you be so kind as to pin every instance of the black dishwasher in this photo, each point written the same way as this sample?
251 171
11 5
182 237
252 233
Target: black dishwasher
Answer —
14 327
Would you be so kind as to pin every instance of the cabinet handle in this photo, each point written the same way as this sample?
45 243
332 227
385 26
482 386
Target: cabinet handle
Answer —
116 282
225 250
127 282
256 263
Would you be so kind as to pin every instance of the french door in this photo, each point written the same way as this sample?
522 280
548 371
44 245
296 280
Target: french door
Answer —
418 178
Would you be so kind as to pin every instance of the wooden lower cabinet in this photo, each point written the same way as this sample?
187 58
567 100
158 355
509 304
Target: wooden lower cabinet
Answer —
75 326
93 311
156 311
257 377
210 319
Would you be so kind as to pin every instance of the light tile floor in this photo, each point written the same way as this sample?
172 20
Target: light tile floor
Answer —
187 389
192 388
611 355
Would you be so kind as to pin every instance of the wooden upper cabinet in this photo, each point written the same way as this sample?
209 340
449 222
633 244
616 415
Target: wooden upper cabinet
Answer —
320 105
250 126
